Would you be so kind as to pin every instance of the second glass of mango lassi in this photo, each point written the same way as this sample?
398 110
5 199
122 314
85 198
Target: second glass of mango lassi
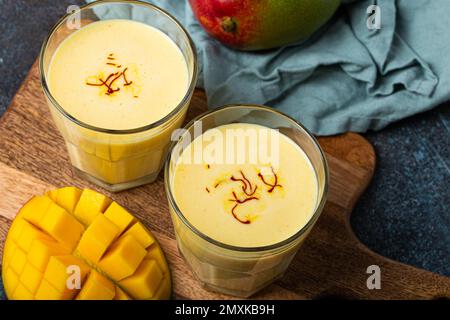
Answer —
118 77
245 185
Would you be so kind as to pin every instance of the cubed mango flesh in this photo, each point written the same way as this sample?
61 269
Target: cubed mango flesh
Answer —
62 226
18 261
52 194
34 210
144 283
10 248
90 205
141 234
73 244
68 198
22 293
27 236
48 292
13 280
119 216
30 277
155 253
97 238
60 270
16 229
164 291
41 250
123 258
97 287
121 295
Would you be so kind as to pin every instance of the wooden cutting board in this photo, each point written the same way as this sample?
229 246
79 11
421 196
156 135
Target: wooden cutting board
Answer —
331 263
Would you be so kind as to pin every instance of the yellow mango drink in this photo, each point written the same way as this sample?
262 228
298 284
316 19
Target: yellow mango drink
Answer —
246 206
255 190
117 89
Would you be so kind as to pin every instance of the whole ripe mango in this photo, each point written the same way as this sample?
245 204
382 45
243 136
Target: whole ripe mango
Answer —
262 24
74 244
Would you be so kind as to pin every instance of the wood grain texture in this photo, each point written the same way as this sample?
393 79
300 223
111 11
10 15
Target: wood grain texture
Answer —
331 263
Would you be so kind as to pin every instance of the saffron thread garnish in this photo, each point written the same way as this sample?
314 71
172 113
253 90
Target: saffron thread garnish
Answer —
95 84
109 87
272 186
246 184
112 78
249 189
239 202
236 216
127 83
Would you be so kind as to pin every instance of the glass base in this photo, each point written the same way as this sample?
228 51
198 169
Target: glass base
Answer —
118 186
239 294
231 292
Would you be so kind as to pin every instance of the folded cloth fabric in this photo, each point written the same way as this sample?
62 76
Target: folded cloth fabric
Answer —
347 78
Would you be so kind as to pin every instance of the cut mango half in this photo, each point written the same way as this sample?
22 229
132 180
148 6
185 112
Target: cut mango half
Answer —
79 244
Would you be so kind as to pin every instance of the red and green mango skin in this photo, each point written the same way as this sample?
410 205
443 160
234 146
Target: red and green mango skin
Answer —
262 24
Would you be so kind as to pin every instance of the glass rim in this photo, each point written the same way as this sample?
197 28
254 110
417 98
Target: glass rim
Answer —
277 245
190 89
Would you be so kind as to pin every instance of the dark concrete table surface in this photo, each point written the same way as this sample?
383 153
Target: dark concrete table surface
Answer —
405 213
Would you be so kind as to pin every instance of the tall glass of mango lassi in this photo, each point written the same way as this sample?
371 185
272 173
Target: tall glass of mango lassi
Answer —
118 77
245 186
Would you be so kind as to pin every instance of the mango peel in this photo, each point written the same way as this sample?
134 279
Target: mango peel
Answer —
262 24
79 244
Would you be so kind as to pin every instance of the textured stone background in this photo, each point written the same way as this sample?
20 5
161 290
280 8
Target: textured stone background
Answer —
405 213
